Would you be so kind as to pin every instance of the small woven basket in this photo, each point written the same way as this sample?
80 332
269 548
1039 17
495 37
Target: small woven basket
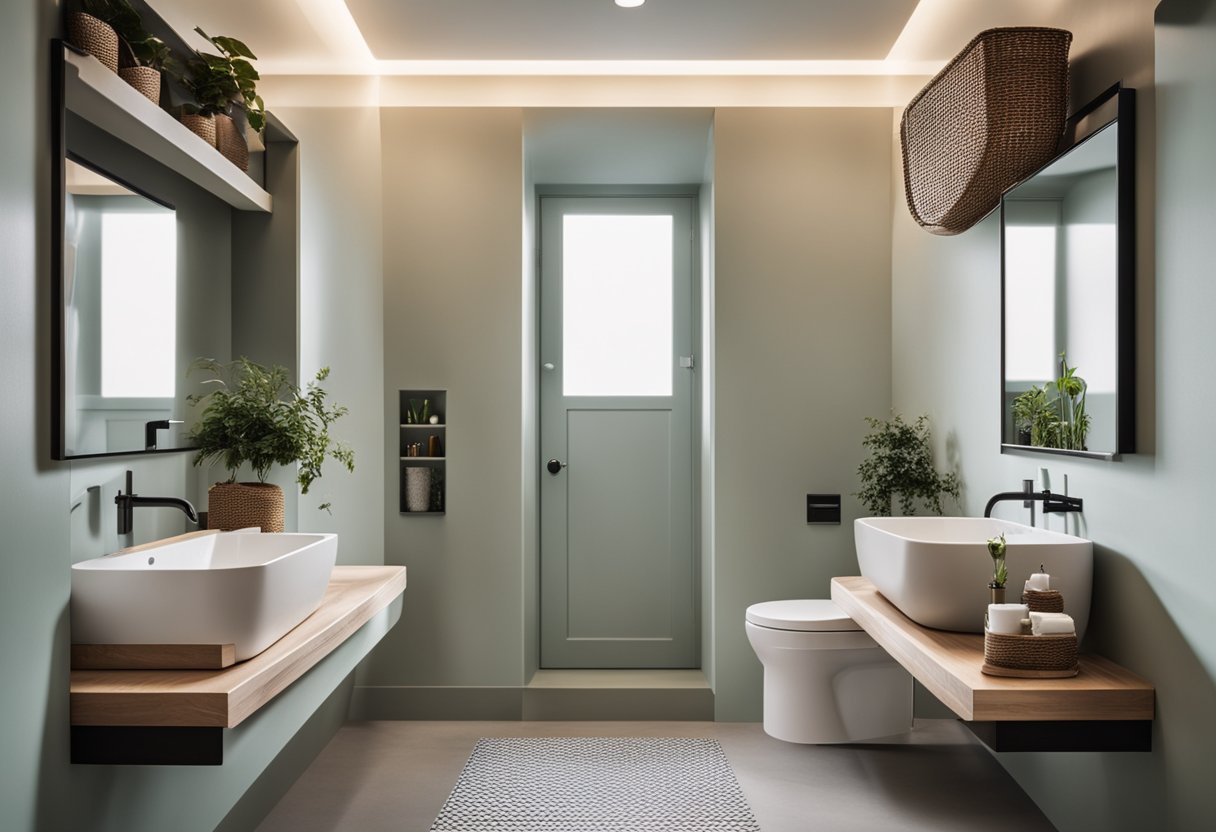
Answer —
1030 653
993 116
1043 600
243 505
230 143
145 79
201 126
95 37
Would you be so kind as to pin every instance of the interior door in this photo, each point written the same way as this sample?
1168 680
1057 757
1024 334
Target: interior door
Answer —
618 573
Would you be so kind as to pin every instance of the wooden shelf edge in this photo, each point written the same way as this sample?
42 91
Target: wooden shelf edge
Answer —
948 665
105 100
225 698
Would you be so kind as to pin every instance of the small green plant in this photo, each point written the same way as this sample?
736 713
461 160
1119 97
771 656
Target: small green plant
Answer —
255 415
996 548
142 48
1055 422
900 462
220 82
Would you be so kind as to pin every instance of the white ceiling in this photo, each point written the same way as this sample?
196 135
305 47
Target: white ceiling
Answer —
537 30
370 36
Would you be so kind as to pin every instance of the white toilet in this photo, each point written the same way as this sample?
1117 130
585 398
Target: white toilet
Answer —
825 680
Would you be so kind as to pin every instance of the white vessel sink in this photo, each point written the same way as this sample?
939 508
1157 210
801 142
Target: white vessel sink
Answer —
241 588
936 569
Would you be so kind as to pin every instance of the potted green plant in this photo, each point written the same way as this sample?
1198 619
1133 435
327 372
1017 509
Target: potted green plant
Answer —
900 462
255 416
220 83
90 32
142 55
1000 574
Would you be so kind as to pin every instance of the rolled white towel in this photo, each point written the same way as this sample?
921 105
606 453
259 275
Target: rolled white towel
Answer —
1051 624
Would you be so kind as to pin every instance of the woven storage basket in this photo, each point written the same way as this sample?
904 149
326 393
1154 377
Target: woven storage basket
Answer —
241 505
993 116
201 126
230 142
143 78
95 37
1043 600
1031 653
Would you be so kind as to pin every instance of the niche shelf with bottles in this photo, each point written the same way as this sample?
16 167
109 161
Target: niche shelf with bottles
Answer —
423 446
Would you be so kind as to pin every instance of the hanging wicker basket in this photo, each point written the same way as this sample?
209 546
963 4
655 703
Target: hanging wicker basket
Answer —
145 79
230 142
993 116
242 505
95 37
201 126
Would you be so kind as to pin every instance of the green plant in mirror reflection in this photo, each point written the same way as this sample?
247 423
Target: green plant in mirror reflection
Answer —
1055 422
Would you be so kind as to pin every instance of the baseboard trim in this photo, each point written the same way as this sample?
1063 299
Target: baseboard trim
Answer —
436 703
531 703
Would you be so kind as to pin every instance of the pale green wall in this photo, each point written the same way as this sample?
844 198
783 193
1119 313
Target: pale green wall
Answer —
453 217
1147 513
39 788
341 319
802 353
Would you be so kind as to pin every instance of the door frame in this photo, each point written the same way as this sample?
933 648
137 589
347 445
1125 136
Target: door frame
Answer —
691 192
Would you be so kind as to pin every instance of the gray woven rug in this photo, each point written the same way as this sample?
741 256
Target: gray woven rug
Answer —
596 784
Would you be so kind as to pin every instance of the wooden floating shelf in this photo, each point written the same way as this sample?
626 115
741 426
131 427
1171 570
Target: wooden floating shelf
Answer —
226 698
1062 714
102 98
153 656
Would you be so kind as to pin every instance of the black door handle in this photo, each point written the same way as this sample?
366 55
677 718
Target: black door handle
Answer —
555 466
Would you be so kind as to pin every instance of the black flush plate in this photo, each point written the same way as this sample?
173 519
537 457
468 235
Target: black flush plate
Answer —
823 509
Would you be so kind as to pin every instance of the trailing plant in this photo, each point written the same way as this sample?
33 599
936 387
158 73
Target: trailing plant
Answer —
900 462
142 48
220 82
996 548
254 415
1055 418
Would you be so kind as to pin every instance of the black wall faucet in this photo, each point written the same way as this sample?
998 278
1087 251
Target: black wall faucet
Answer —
151 428
127 502
1052 503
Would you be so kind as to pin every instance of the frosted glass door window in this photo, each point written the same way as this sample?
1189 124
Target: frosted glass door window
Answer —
617 305
138 304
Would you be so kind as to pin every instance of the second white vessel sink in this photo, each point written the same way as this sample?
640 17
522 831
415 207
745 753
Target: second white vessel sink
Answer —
242 588
936 569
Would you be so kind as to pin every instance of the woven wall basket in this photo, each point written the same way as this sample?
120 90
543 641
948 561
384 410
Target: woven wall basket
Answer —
993 116
241 505
230 142
95 37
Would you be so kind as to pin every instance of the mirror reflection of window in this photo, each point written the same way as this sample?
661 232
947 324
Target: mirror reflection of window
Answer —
1031 255
138 303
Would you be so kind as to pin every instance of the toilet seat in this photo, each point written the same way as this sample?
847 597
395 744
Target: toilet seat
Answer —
807 615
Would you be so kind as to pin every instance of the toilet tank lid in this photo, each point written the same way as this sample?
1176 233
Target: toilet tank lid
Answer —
812 615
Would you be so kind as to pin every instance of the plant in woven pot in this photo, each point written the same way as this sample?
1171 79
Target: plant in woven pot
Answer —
221 84
255 416
141 55
89 32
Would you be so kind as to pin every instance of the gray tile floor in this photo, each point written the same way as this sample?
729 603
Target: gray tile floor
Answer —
395 776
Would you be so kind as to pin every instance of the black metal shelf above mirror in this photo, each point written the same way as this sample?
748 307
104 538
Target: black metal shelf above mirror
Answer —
1068 292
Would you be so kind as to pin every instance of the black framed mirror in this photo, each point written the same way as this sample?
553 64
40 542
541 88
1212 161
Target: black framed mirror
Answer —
141 287
1067 291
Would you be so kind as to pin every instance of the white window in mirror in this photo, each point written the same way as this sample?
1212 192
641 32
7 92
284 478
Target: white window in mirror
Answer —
1031 254
617 305
138 304
1093 315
